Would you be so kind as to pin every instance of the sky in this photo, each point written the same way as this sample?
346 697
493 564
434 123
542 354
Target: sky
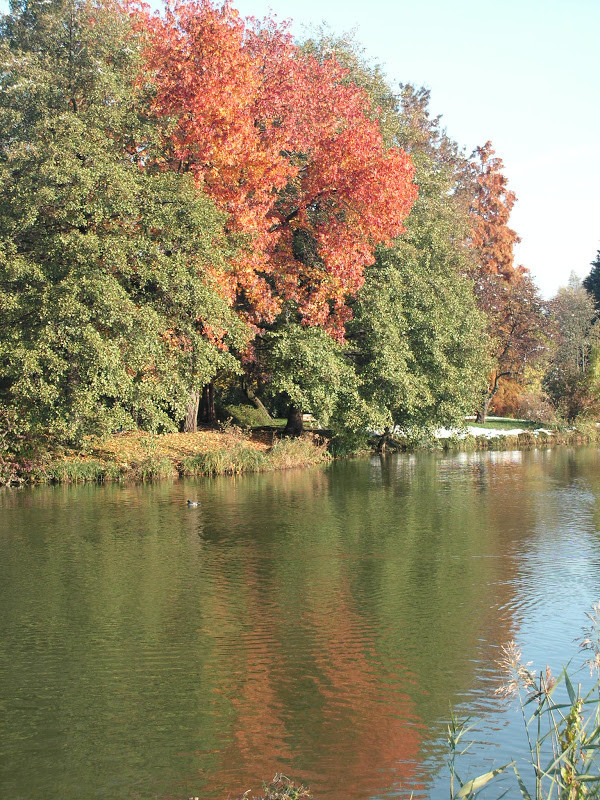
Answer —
524 74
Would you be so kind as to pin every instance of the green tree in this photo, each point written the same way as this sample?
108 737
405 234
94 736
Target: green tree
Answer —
572 380
312 372
592 282
421 342
110 314
417 339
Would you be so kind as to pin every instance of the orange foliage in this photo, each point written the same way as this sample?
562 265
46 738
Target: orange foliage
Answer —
288 149
507 400
490 210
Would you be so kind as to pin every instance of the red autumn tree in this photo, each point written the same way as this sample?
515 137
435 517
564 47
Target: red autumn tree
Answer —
517 326
491 202
287 147
507 295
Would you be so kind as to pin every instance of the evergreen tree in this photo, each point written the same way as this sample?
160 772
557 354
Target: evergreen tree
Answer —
592 282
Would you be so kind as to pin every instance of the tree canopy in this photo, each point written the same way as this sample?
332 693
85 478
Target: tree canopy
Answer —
190 196
107 290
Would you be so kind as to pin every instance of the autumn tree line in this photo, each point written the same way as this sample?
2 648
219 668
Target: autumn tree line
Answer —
195 207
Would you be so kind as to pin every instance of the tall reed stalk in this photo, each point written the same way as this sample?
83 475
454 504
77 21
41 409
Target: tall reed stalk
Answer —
562 730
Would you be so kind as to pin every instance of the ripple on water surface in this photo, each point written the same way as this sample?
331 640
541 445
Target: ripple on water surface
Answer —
320 623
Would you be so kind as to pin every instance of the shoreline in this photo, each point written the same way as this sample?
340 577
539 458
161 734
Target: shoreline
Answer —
141 457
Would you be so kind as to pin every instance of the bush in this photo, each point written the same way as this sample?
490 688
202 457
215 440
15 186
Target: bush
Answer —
535 407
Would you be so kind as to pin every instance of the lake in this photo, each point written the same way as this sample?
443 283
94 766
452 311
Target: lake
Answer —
320 623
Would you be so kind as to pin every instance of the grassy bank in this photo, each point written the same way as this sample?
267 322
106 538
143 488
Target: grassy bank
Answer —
143 457
137 456
499 434
582 434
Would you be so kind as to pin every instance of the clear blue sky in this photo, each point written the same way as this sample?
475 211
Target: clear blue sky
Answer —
524 74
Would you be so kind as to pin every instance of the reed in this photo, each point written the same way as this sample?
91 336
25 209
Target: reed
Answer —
224 461
302 452
76 470
561 727
153 468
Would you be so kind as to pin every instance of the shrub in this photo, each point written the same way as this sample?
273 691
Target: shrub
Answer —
535 408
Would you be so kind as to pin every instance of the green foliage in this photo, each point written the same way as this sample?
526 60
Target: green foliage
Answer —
573 378
421 353
311 370
246 415
104 292
421 342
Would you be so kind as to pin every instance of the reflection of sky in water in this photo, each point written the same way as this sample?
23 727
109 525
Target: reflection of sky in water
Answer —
321 622
557 582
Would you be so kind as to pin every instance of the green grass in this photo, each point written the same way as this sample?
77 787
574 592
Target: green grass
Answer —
505 423
247 416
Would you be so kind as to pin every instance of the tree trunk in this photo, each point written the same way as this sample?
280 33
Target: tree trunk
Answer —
481 415
386 440
190 423
295 423
254 399
207 407
383 441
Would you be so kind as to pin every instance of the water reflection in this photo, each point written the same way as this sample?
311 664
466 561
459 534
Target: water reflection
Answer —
319 623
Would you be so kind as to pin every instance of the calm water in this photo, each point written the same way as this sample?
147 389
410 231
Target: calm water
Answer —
320 623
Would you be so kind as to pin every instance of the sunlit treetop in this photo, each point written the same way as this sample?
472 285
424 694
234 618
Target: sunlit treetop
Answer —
491 204
287 147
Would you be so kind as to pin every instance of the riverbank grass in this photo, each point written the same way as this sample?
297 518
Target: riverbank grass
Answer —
145 457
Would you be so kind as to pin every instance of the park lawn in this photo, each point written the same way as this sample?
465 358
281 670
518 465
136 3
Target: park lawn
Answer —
506 423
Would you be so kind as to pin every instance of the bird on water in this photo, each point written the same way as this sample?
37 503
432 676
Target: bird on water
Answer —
193 503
